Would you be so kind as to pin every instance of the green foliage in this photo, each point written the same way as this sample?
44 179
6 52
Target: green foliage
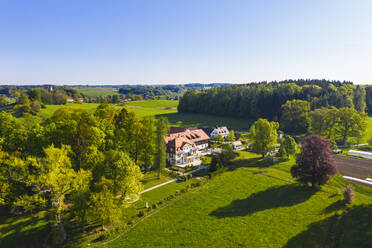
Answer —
124 173
264 100
338 124
162 127
105 207
222 159
219 138
288 147
263 135
232 136
3 101
294 117
359 99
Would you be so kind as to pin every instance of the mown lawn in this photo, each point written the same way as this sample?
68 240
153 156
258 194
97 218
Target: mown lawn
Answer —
150 179
256 204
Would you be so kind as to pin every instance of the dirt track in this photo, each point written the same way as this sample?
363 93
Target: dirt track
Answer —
354 167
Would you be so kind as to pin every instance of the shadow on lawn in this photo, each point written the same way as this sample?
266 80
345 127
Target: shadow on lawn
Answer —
338 205
252 163
26 233
204 120
282 196
351 229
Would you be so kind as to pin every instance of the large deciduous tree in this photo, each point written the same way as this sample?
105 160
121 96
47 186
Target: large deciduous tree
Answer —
314 164
46 181
359 99
294 117
288 147
351 124
263 135
162 128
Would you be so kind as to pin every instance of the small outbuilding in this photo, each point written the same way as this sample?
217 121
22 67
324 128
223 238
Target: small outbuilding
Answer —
237 145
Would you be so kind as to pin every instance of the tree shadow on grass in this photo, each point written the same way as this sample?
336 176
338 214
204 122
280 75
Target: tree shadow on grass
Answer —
204 120
351 229
29 233
282 196
336 206
252 163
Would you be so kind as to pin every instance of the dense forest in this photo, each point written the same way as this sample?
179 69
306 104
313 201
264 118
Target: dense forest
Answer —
265 100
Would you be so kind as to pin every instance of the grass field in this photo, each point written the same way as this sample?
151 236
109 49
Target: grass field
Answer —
244 208
252 204
97 91
368 134
163 108
166 108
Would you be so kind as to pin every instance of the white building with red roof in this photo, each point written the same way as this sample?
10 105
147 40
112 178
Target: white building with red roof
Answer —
183 146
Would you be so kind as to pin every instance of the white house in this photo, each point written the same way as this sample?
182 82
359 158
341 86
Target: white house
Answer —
223 131
69 99
183 146
236 145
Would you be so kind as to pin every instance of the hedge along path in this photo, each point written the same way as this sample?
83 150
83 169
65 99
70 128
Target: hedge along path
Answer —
144 218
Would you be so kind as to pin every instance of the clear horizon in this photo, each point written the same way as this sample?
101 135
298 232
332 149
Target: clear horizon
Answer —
180 42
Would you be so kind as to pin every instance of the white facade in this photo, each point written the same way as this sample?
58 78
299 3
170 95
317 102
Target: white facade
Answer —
202 146
223 131
236 145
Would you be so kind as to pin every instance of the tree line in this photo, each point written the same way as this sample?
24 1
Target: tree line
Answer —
87 164
264 100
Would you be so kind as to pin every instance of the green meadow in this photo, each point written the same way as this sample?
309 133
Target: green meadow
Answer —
162 108
256 204
97 91
253 203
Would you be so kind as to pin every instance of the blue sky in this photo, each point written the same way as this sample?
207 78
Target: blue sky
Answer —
184 41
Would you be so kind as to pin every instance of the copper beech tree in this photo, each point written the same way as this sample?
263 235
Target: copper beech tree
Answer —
314 164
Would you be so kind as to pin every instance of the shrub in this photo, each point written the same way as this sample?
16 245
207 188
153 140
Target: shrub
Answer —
184 177
189 176
349 194
154 206
141 213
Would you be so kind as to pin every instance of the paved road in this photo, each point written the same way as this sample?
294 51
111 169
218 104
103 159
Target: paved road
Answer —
354 167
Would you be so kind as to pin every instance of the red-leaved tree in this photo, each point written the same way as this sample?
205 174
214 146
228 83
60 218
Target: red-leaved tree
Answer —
315 164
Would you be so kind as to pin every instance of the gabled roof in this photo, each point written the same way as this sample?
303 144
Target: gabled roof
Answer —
177 140
177 144
236 143
221 130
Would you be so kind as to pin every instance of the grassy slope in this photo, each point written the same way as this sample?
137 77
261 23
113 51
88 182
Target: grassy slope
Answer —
242 209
